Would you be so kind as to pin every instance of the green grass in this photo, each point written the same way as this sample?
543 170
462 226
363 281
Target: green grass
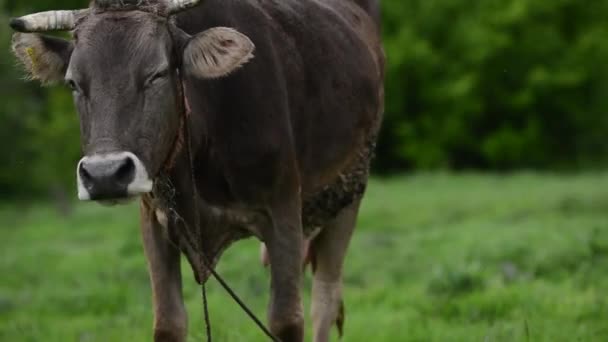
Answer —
436 257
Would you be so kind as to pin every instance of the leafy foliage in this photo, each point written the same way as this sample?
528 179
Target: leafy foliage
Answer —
495 84
39 128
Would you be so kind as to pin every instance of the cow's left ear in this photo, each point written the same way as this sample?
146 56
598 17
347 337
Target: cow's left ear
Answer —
217 52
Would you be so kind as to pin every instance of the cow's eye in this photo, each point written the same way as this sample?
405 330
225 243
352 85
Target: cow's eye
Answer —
71 84
159 76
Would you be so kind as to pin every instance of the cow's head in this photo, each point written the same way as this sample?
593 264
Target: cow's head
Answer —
123 66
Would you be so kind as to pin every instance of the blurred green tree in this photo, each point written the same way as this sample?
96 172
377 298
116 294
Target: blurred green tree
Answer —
39 128
495 84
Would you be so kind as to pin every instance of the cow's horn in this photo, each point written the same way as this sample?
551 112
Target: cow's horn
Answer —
175 6
47 21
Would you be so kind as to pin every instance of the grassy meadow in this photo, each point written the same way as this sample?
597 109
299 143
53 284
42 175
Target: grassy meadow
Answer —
436 257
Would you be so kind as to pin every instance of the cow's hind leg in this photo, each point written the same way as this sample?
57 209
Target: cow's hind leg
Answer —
328 252
170 318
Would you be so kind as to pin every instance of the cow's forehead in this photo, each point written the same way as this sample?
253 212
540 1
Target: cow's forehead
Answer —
137 25
156 6
117 33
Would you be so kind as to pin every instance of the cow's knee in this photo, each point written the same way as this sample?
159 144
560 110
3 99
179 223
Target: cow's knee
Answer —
169 335
292 333
171 325
288 330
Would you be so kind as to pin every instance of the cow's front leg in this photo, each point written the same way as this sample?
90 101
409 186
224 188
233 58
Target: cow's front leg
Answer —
284 240
170 318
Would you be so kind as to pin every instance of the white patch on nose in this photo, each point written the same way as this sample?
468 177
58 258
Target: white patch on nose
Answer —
83 193
140 184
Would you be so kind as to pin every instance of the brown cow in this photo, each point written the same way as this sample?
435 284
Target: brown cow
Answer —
283 100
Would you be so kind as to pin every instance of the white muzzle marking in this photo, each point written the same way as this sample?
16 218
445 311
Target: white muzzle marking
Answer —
140 184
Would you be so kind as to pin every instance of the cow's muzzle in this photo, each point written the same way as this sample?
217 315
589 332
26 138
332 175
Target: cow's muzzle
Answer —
112 176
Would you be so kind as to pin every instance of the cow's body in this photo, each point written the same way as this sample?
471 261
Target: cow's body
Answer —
305 132
311 96
280 149
312 109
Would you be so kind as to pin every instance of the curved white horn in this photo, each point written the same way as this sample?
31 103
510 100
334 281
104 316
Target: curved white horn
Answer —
47 21
175 6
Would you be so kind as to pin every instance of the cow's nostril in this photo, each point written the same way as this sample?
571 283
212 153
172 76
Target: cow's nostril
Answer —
125 172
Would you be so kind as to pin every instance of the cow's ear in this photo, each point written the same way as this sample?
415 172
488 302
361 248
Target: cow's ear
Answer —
44 58
217 52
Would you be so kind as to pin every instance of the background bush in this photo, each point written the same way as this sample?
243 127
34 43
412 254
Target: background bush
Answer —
493 84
